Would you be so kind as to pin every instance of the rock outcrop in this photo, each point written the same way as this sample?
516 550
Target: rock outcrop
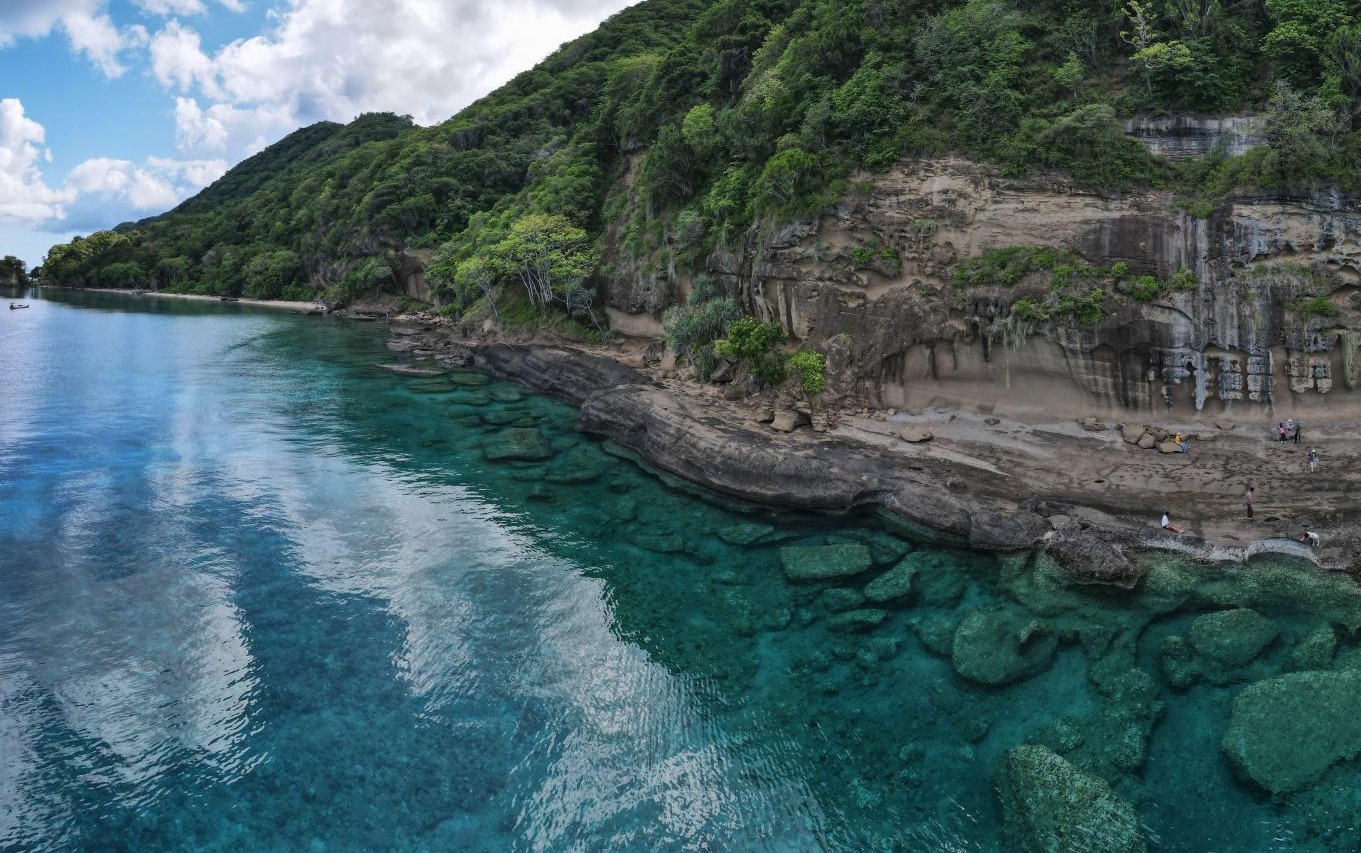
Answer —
1269 320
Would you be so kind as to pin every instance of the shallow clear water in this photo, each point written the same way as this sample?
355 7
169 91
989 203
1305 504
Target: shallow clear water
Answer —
258 594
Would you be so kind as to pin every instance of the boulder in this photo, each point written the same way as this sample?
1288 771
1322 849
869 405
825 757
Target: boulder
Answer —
787 421
1092 423
840 599
1207 436
1090 558
915 434
1285 732
579 465
1316 649
518 444
1147 442
893 585
1169 446
998 645
1132 433
1232 637
856 621
660 543
746 534
1049 806
825 562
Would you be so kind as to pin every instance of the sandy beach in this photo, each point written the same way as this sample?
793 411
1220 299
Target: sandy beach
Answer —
304 307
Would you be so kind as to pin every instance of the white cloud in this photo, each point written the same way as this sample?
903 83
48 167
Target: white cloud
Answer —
177 58
100 41
88 26
334 59
97 193
24 195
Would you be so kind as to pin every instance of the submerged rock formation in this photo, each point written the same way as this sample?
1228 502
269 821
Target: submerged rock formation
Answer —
1287 731
1049 806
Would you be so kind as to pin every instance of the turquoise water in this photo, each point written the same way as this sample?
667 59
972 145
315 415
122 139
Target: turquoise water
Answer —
258 594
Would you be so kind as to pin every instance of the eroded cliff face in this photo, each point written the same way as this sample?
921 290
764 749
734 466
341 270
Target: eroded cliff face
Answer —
874 286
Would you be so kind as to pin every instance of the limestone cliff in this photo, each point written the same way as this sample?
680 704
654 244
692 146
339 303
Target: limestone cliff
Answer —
1274 318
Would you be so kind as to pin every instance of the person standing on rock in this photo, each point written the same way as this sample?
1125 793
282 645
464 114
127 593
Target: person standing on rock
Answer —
1298 425
1248 498
1313 460
1280 429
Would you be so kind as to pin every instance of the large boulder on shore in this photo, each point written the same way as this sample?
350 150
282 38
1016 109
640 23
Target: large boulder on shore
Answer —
1232 637
824 562
1088 558
1286 731
999 645
1049 806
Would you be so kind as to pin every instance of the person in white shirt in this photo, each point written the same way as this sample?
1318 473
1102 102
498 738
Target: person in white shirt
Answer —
1168 525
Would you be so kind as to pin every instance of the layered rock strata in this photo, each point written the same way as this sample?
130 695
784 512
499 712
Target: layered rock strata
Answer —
1273 320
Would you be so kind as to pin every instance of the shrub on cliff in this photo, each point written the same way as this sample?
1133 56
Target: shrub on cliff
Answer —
752 345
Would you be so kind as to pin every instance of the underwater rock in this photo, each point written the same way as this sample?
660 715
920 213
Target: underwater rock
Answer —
1179 662
473 398
941 585
502 417
1286 731
744 535
518 444
660 543
892 585
581 465
837 600
997 645
1049 806
1232 637
824 562
935 631
884 547
506 395
1316 649
470 380
856 621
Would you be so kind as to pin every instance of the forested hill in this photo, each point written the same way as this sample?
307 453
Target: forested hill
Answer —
682 127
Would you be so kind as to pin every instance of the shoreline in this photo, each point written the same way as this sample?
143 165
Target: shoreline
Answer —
981 482
278 304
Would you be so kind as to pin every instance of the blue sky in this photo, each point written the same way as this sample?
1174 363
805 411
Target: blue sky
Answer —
115 110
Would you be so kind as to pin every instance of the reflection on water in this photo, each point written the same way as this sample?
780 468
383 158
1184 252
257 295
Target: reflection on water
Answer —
258 594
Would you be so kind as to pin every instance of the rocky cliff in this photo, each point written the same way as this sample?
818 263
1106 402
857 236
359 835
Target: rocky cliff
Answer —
1272 317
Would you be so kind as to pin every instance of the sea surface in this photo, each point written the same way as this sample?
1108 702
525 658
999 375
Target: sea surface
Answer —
257 593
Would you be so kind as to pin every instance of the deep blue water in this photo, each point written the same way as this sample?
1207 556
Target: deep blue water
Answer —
258 594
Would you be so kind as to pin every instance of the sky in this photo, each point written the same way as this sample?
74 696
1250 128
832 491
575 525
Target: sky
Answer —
116 110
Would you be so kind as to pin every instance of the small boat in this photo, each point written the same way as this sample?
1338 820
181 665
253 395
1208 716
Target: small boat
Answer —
14 307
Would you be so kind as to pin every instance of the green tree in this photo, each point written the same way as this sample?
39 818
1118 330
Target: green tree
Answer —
551 258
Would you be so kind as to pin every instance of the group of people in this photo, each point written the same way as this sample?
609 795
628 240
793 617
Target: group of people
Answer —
1288 430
